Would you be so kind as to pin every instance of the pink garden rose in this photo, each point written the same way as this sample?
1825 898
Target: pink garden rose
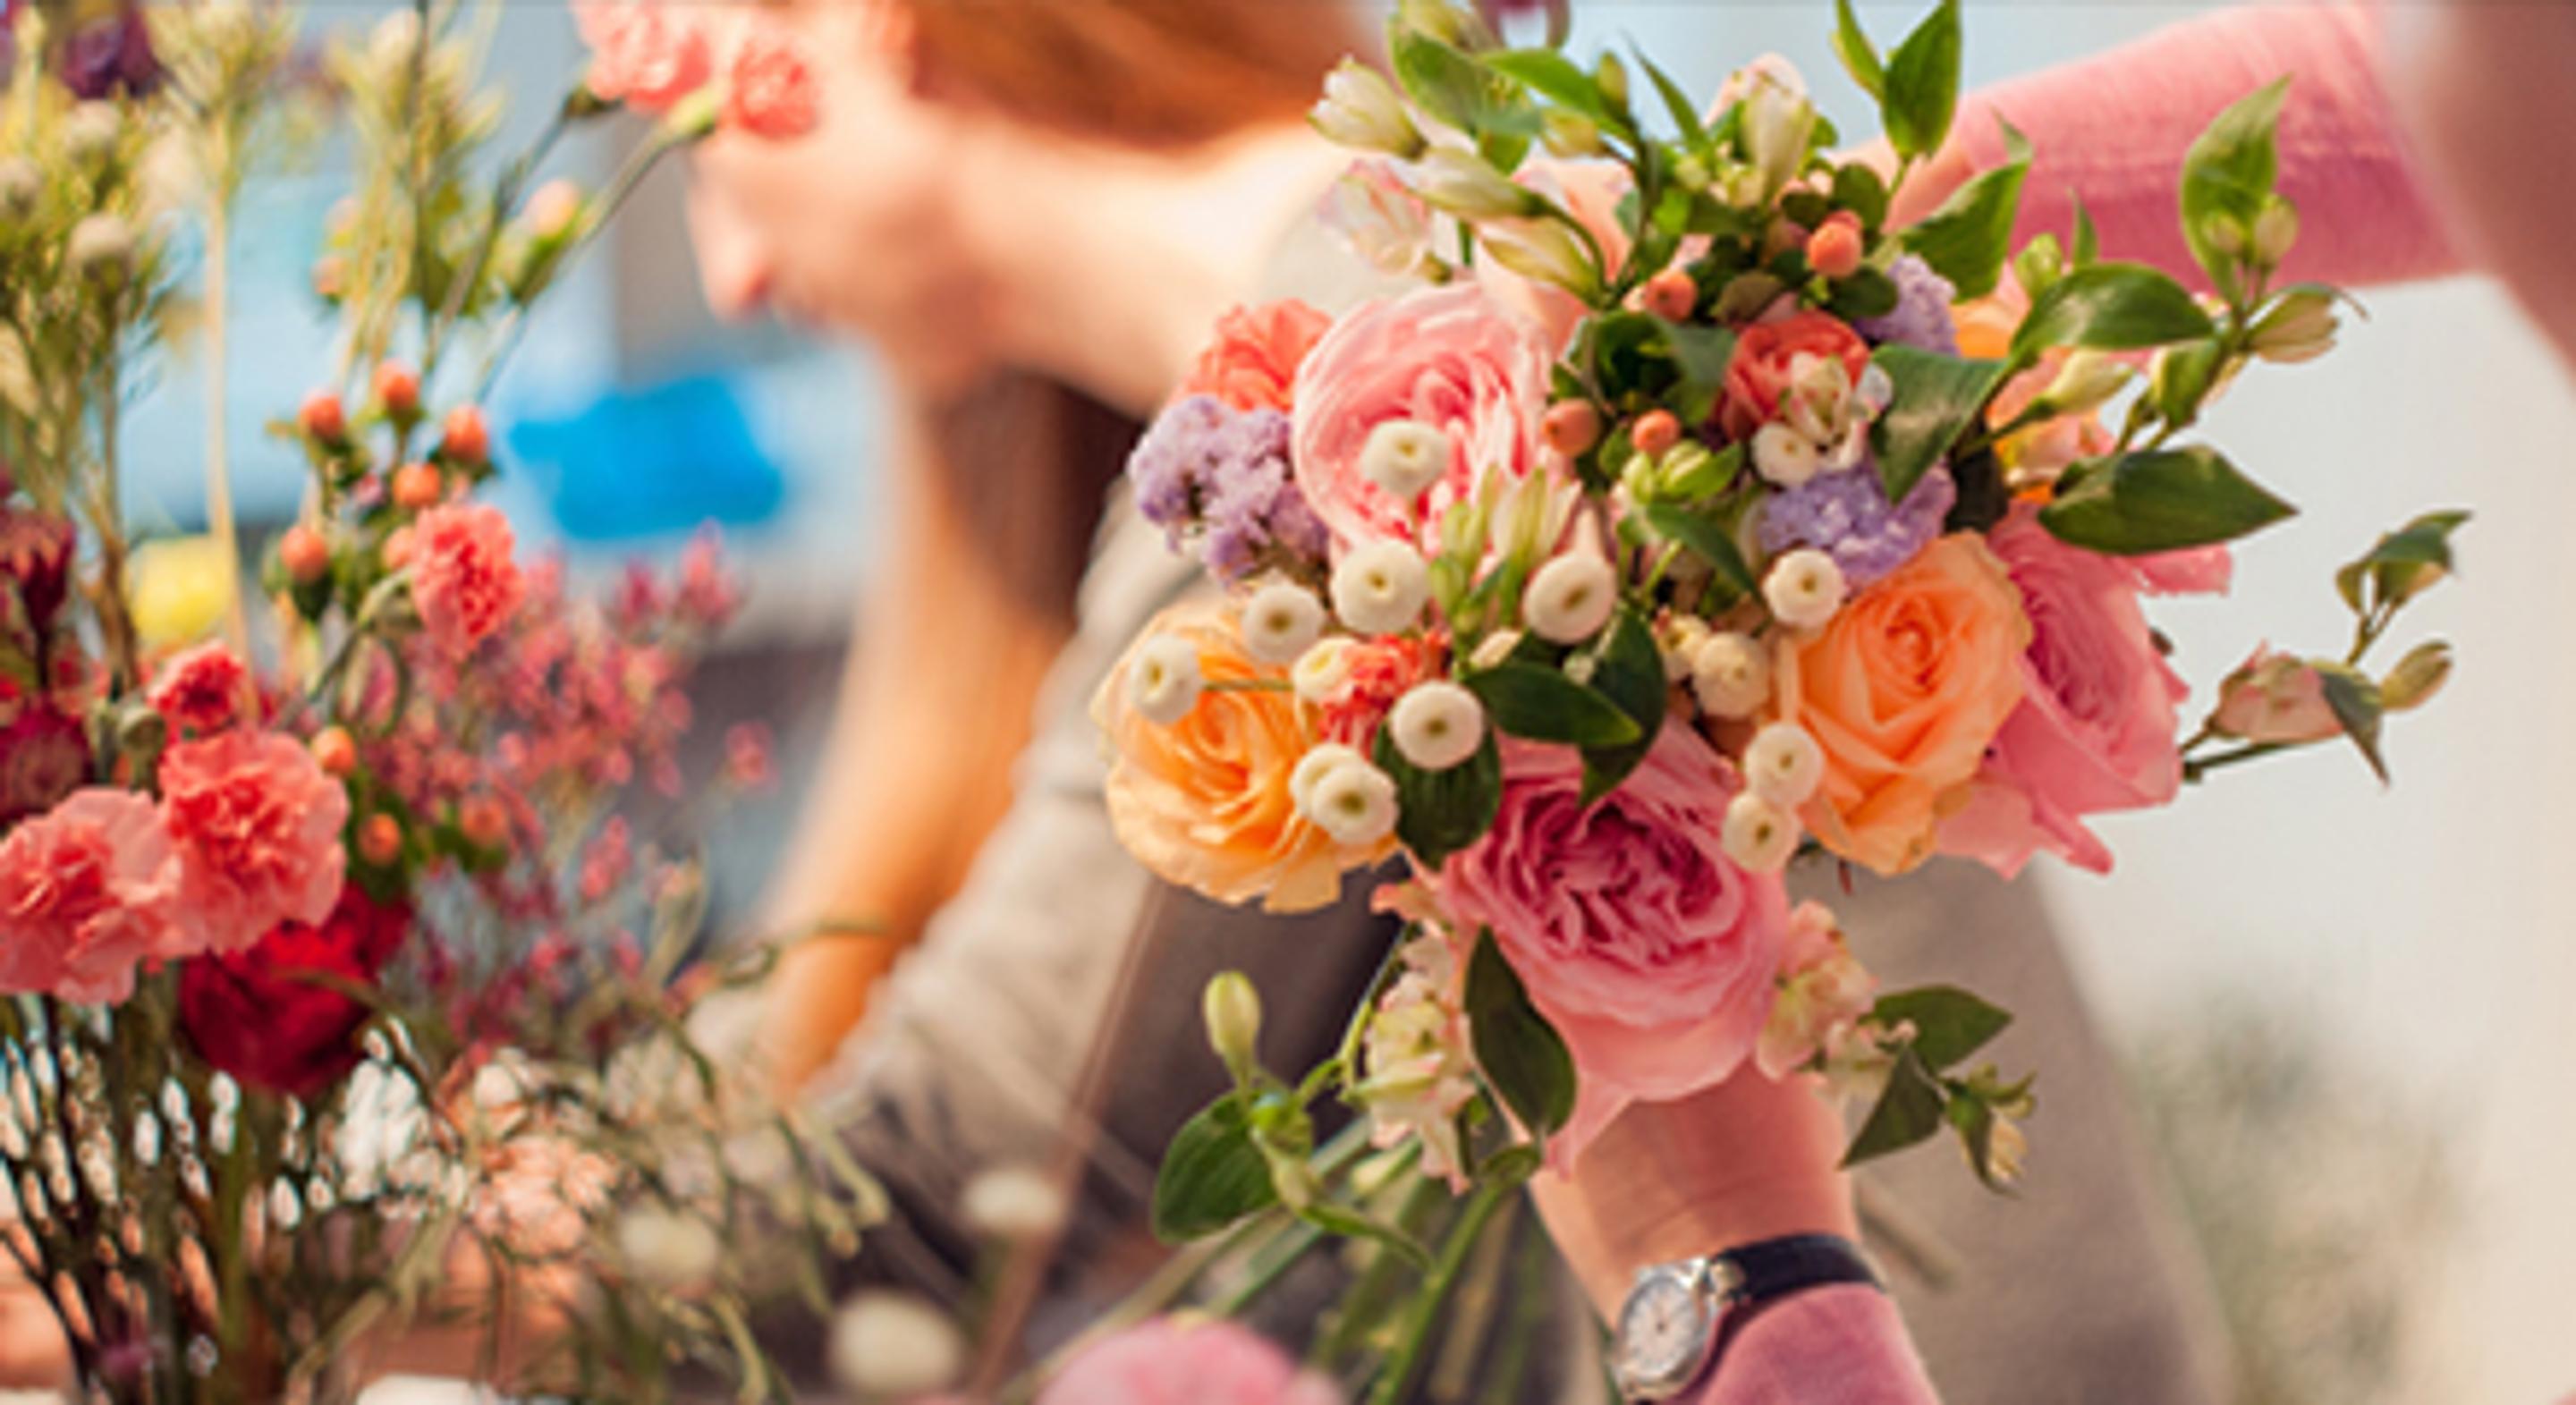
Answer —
1165 1362
643 53
257 824
87 890
2095 728
772 92
1637 937
1449 357
462 577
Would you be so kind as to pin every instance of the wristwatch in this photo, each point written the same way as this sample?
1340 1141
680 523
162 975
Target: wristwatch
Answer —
1669 1329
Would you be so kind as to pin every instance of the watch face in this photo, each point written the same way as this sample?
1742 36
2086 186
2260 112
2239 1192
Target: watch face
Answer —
1663 1334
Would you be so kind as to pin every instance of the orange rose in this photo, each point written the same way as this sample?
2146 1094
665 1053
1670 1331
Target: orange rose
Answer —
1204 802
1903 690
1253 362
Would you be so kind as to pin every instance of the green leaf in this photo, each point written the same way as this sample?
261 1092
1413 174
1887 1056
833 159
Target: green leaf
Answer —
1212 1175
1707 538
1923 83
1352 1224
1949 1023
1975 1121
1627 668
2161 500
1685 116
1521 1053
2088 241
2183 378
2228 173
1552 75
1967 239
1908 1112
1445 83
2113 307
1858 189
1543 705
2404 563
1937 398
2355 700
1859 56
1440 812
1867 293
1701 354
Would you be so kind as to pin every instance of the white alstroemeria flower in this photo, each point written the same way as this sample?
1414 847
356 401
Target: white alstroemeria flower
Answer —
1405 457
1758 835
1542 250
1354 803
1732 676
1805 588
1281 621
1361 109
1163 679
1381 588
1386 224
1465 184
1783 764
1570 598
1437 725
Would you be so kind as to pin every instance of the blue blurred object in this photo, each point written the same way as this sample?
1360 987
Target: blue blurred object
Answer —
649 461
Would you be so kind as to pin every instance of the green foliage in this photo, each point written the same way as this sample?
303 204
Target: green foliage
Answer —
1968 238
1522 1055
2111 307
1440 812
2160 500
1626 667
1949 1023
1859 56
1937 399
1543 705
1706 536
2226 177
1922 83
1212 1174
2402 564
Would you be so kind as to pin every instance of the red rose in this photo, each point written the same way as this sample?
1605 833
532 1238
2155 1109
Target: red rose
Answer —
1764 355
263 1017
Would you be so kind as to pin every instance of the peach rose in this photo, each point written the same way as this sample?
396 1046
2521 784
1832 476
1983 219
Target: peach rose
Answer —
1766 356
1450 357
1204 802
1903 690
1252 364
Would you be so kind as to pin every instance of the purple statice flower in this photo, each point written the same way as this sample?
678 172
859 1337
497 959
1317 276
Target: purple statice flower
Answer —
1209 473
1922 317
1845 514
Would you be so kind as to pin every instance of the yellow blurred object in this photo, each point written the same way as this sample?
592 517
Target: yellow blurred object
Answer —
180 588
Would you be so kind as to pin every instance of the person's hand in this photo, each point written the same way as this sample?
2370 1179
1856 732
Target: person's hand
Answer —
34 1354
1747 1160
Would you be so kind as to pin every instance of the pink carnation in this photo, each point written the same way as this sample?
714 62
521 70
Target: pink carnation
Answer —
1637 937
2095 728
1165 1362
1449 357
200 689
643 53
1252 364
87 890
772 93
462 577
1381 670
257 823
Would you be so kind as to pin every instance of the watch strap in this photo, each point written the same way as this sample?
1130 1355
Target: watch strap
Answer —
1775 1268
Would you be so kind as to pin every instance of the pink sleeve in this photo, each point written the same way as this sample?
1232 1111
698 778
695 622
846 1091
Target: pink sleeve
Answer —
1843 1345
2114 129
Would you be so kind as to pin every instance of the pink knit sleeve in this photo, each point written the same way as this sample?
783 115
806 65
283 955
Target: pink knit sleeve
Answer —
2114 129
1843 1345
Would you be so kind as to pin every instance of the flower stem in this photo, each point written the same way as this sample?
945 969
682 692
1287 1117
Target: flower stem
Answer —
1481 1207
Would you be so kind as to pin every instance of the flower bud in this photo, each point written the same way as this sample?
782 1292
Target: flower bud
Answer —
1834 250
2275 230
1570 426
1232 1009
397 388
335 751
304 554
2087 379
1570 598
1612 78
321 417
466 435
1689 472
1670 295
1437 725
1542 250
2274 698
1361 109
417 487
1462 529
2300 327
1466 185
1778 123
2417 677
1569 136
1655 431
380 840
1385 223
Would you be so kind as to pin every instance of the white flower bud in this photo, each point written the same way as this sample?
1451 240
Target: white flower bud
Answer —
1437 725
1405 457
1732 676
1570 598
1466 185
1322 671
1361 109
1778 121
2088 378
2301 327
1804 588
1381 588
1783 764
668 1250
2275 230
1163 679
1543 251
1758 835
894 1344
1015 1204
1783 456
1231 1009
1318 762
1354 803
1495 648
1280 622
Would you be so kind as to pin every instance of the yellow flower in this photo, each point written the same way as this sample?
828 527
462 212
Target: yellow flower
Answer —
179 589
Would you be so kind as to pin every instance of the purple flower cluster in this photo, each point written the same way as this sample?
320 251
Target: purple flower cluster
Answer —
1846 515
1922 316
1208 471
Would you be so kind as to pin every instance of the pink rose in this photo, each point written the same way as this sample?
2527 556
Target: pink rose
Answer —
772 93
87 890
1165 1362
2275 697
200 689
642 53
462 577
1637 937
1449 357
2095 728
1252 364
257 824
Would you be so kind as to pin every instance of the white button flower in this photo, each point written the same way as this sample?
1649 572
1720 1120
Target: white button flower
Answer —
1804 588
1317 763
1784 765
894 1344
1570 598
1405 457
1783 456
1437 725
1321 672
1731 674
1280 621
1381 588
1163 679
1758 835
1354 803
1013 1204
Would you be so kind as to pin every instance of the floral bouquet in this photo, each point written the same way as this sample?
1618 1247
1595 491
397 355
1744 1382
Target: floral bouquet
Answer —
340 980
1686 522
